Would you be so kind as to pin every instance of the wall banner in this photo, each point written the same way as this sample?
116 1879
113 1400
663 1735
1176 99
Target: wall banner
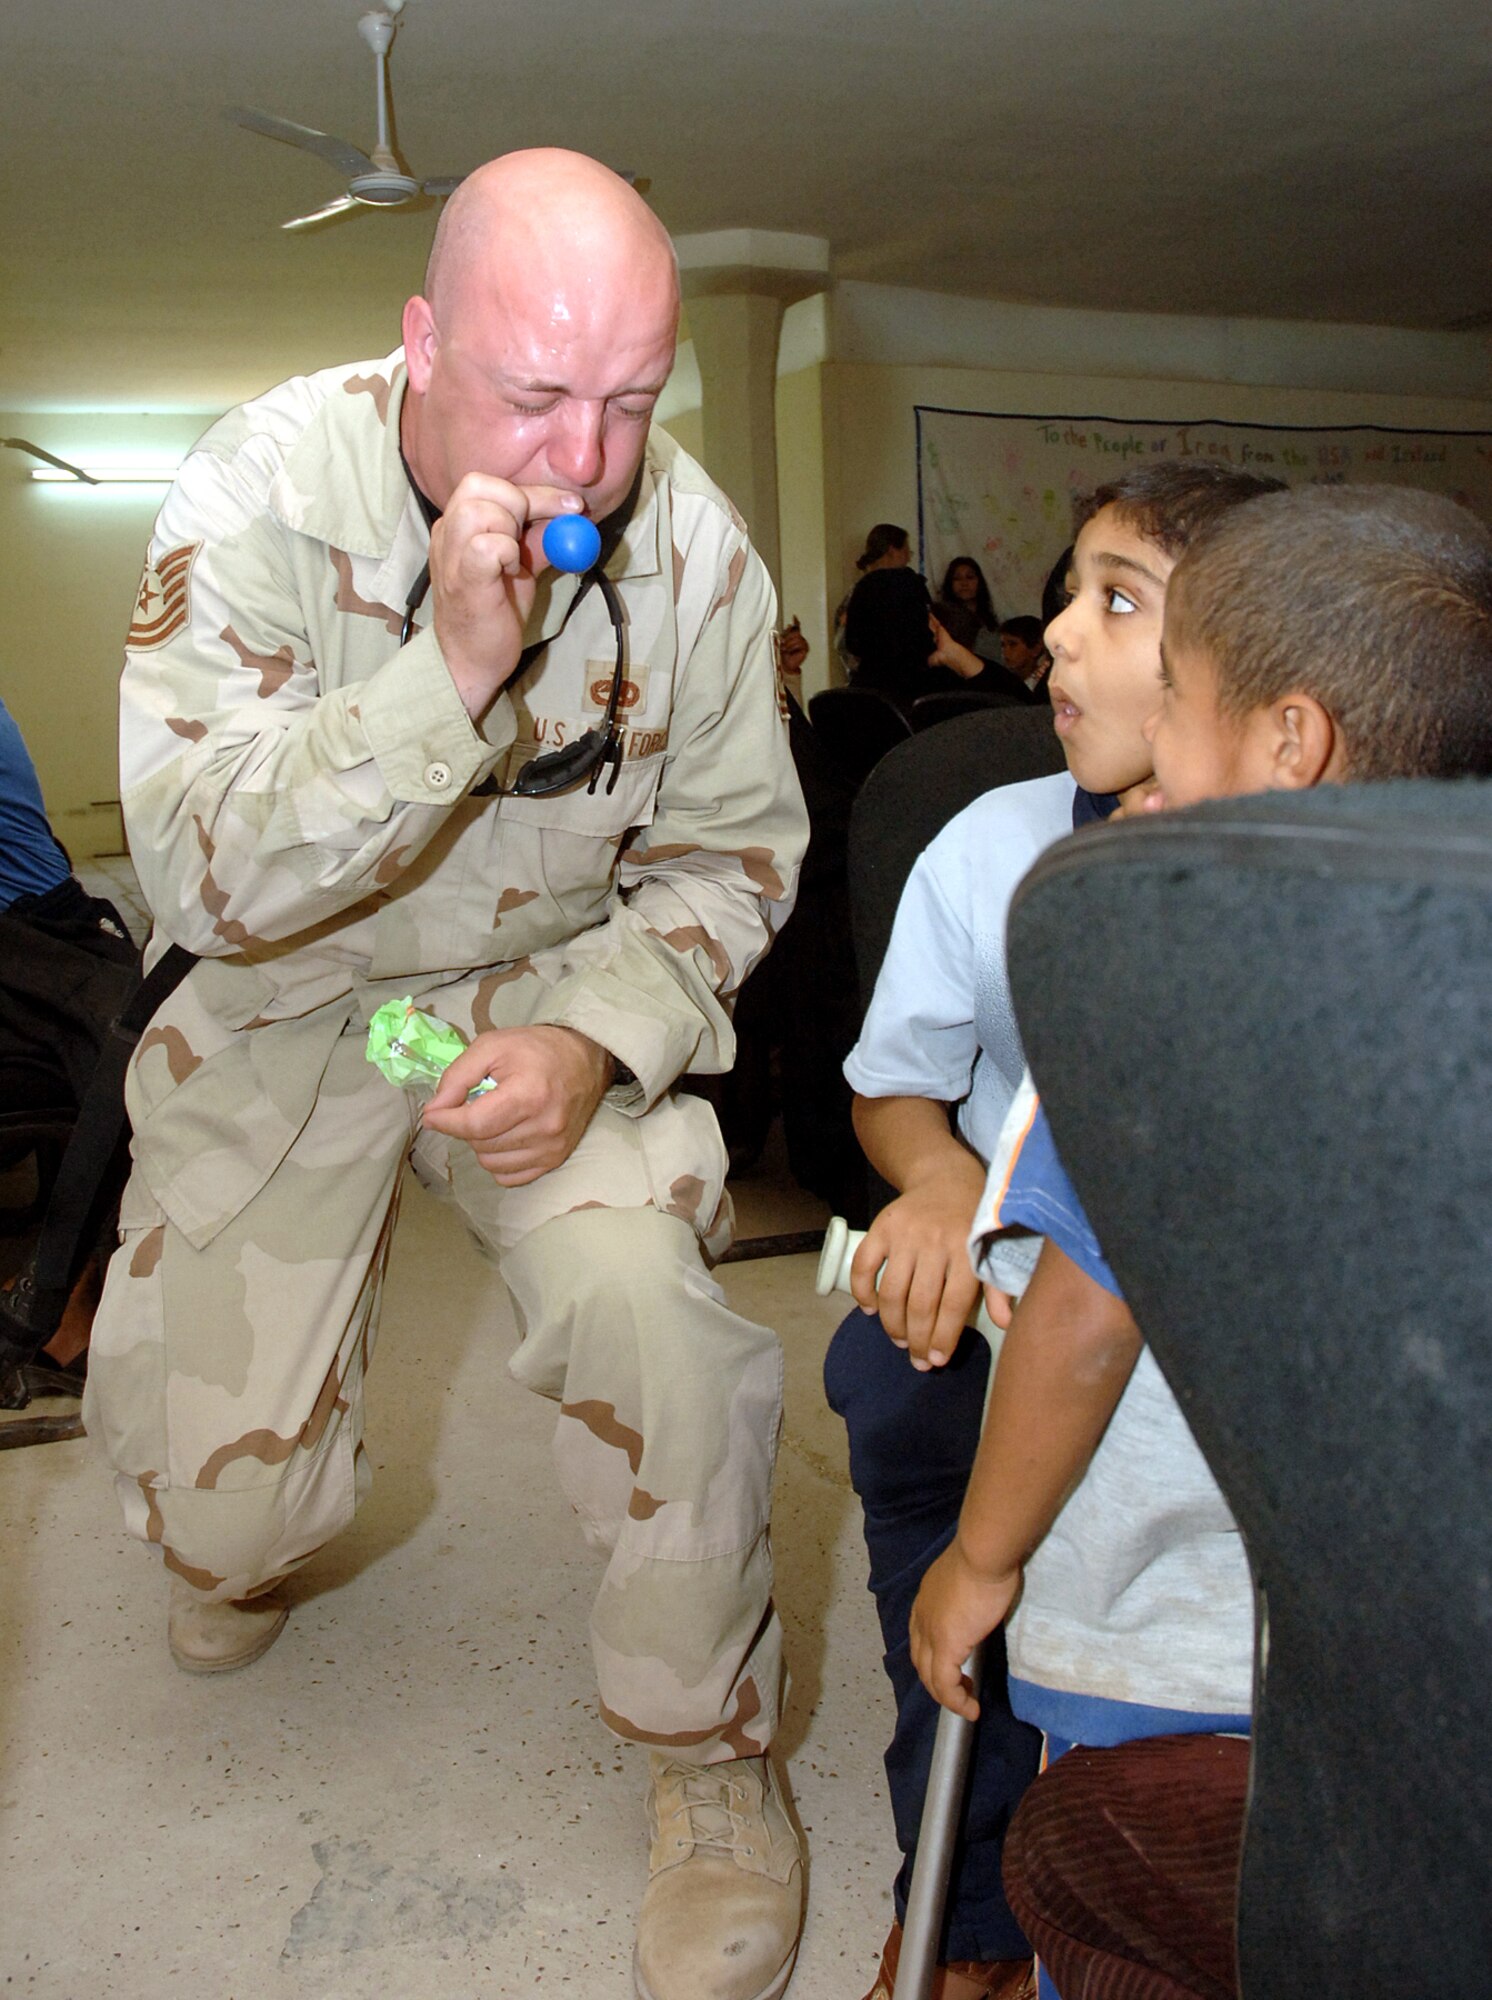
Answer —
1000 488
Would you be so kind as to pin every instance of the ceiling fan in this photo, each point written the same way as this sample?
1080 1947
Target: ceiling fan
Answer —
376 179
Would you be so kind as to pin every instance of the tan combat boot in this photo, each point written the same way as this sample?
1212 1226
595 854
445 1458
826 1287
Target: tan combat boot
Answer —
207 1638
724 1903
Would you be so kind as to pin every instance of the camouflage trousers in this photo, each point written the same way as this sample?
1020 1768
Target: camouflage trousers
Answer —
226 1383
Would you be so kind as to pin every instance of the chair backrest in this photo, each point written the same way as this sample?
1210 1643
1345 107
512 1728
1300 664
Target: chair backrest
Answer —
1263 1033
856 726
914 793
929 709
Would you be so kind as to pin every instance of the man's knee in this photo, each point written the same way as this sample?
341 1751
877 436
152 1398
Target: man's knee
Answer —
618 1280
229 1544
581 1259
670 1401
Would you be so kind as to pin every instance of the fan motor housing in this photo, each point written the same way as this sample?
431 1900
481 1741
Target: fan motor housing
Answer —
383 190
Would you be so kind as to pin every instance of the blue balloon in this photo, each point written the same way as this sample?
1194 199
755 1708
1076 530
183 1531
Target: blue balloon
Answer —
572 542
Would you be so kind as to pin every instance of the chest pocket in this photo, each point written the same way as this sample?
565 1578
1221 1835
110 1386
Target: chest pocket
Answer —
556 706
599 814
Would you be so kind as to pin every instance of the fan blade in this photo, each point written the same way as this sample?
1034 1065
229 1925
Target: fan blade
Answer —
442 185
339 153
343 205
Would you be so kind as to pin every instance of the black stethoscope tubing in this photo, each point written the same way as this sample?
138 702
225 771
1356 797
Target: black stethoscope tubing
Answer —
556 770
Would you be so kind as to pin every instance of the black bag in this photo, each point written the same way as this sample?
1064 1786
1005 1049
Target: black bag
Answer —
73 1005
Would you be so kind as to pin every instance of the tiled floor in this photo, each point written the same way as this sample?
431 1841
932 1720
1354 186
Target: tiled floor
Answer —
411 1795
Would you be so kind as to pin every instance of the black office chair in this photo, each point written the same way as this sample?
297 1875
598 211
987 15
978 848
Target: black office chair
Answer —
912 795
1263 1032
855 727
930 709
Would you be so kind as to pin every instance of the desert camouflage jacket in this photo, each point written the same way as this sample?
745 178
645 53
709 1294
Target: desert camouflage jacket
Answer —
298 788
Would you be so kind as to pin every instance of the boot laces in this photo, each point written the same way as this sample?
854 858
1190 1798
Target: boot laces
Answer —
716 1808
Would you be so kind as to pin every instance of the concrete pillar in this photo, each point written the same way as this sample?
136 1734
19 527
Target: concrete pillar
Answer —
735 343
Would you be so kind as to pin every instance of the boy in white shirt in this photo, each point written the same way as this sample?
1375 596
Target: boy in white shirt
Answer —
940 1036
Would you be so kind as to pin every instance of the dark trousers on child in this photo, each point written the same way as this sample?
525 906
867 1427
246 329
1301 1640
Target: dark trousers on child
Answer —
912 1444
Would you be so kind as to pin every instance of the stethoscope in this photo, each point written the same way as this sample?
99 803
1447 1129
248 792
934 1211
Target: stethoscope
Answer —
555 770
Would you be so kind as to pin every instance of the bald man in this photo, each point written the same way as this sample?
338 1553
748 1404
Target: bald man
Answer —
340 784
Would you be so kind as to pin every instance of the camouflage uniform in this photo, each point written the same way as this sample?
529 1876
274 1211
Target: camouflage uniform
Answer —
299 793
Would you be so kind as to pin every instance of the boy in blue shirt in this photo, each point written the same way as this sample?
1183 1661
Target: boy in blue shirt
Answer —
940 1036
1286 631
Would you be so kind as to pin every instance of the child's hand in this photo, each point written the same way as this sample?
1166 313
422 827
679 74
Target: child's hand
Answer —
956 1607
792 648
999 1305
927 1290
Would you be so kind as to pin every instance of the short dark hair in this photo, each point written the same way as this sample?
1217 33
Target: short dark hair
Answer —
1375 600
1171 500
883 537
1027 630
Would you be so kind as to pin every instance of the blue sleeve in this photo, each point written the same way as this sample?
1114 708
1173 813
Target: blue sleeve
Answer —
31 862
1038 1195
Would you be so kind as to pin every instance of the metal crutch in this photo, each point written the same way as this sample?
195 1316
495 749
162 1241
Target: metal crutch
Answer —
942 1804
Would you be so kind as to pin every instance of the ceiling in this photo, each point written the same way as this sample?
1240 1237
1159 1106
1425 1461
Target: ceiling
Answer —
1286 158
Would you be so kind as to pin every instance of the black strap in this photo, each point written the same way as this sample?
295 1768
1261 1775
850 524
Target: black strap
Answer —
101 1126
91 1173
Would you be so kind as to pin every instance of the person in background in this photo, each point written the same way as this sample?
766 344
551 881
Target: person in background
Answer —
1024 654
886 547
965 609
44 1018
67 966
977 672
32 862
893 636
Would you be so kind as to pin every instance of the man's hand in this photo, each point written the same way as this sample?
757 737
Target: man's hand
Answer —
549 1082
928 1289
956 1607
485 559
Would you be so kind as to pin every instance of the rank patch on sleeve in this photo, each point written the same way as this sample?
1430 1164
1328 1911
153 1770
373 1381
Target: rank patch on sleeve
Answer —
164 603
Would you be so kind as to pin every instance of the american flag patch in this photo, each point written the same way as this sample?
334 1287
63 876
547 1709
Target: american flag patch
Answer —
163 606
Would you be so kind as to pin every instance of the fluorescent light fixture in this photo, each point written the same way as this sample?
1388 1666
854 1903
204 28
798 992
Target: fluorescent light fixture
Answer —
106 475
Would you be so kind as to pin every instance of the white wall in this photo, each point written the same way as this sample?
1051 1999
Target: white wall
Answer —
856 361
73 557
891 350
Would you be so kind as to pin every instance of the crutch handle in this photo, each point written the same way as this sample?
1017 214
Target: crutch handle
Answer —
840 1244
